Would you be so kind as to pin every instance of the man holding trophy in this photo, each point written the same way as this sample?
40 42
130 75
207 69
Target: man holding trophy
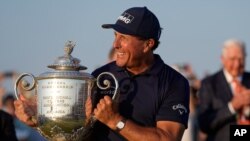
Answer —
153 99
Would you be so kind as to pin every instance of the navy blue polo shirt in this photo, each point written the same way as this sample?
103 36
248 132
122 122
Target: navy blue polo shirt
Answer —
158 94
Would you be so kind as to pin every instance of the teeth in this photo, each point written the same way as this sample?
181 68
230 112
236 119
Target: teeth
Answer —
120 53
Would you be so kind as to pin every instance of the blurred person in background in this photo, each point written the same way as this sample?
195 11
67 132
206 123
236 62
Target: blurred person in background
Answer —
3 77
22 131
8 104
7 128
224 95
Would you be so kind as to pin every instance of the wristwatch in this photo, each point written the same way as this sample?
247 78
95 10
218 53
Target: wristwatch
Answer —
121 124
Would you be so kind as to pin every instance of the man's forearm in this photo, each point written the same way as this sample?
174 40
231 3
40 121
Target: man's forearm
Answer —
134 132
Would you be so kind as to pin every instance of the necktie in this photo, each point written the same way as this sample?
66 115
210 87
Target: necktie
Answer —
236 86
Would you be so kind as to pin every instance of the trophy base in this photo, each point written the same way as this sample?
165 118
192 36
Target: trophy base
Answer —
62 130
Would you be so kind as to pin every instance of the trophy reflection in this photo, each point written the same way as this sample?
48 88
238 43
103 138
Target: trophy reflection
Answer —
61 95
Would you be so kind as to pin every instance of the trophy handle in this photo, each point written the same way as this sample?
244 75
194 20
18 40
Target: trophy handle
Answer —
24 84
107 83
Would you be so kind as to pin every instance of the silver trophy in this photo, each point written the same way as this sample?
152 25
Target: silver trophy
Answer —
61 96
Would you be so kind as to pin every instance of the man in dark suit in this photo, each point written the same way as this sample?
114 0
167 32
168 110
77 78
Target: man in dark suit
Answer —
220 102
7 129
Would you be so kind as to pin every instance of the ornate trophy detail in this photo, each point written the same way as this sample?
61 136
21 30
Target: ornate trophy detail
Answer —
107 83
61 95
69 47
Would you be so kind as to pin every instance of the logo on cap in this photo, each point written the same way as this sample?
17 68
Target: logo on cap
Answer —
126 18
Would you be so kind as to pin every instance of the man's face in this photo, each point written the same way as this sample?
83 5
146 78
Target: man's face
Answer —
233 60
130 50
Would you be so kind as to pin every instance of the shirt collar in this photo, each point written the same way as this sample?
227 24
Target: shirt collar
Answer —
157 65
229 77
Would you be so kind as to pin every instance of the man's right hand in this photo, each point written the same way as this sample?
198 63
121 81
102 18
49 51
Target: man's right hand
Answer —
26 110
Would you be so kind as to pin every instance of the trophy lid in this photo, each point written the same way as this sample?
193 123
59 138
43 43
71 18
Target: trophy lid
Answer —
67 62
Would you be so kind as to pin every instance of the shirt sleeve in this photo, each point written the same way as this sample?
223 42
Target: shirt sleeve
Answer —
174 104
